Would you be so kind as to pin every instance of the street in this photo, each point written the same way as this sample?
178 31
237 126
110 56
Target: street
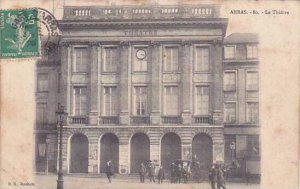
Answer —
73 182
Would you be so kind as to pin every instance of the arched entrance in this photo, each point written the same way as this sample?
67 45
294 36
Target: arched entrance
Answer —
79 154
139 151
109 151
202 151
170 149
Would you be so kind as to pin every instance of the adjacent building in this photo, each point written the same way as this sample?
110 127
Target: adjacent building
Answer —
144 83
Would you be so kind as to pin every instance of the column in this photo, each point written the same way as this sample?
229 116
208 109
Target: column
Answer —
93 153
155 75
241 92
93 114
124 164
124 53
185 82
65 70
155 150
186 144
217 82
218 144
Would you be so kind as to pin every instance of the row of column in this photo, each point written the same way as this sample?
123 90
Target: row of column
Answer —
155 65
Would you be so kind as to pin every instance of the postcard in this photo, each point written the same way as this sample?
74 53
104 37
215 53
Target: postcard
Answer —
147 93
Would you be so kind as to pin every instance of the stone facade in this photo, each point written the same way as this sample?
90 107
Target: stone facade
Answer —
123 31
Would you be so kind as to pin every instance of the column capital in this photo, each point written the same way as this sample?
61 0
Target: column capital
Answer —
186 43
155 43
124 44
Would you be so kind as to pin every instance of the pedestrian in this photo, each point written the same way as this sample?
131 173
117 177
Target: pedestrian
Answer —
179 173
173 172
142 172
247 175
220 179
213 177
161 175
152 172
109 170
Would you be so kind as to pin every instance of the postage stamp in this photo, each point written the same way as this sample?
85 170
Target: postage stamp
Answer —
19 36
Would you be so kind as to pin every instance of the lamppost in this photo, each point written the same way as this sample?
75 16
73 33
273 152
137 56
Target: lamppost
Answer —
60 115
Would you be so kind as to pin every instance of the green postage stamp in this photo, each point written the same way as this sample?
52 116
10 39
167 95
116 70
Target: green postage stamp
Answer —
19 34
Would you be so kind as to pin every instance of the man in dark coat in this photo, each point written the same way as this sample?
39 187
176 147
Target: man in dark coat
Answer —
142 172
161 175
152 172
109 170
173 172
179 173
220 179
213 177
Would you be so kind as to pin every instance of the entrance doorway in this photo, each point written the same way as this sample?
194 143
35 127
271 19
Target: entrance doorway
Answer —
109 151
170 149
79 154
139 151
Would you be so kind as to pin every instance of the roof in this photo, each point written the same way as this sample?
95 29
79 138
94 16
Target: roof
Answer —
241 38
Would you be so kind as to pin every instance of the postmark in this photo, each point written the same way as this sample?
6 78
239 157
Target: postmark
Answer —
19 37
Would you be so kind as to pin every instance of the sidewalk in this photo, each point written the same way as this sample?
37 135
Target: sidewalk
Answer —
73 182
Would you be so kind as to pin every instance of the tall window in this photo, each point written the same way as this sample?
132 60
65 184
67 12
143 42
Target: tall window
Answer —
229 52
230 112
252 112
171 100
252 51
41 113
110 101
229 81
171 59
81 60
202 59
140 60
140 100
110 59
252 81
79 101
42 82
202 100
253 148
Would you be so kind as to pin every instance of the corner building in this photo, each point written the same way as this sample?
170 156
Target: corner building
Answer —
138 83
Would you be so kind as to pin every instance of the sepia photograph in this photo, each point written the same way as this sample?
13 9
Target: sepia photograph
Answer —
132 94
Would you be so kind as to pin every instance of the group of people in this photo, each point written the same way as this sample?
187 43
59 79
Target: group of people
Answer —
178 173
216 176
152 172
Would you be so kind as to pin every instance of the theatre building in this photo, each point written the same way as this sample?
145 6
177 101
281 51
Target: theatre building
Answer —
139 84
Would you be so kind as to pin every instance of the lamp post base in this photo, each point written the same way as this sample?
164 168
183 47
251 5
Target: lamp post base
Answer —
60 181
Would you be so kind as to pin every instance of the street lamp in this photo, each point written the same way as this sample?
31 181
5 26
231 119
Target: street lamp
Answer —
60 119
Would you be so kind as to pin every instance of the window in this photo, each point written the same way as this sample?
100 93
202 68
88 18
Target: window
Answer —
110 59
252 112
202 100
253 146
79 101
41 113
42 82
252 51
229 81
140 100
230 112
140 60
229 52
202 59
171 59
110 101
252 81
81 60
171 100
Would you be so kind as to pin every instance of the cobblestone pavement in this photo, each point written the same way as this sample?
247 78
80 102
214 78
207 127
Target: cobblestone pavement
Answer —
72 182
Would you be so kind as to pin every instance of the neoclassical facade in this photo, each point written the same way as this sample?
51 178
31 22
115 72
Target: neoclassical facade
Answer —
138 83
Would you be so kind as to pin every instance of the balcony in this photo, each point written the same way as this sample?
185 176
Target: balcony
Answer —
109 120
173 120
202 120
140 120
78 120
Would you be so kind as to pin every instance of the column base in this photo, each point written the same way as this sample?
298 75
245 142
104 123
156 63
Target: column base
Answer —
155 118
217 117
93 118
124 118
